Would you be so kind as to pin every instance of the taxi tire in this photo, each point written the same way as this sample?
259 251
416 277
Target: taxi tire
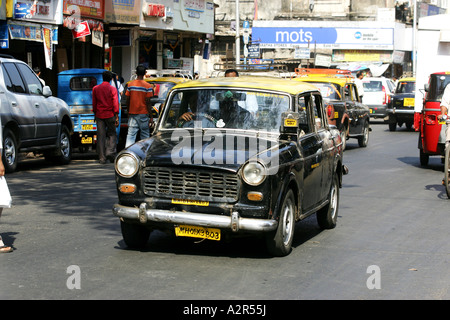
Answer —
134 235
364 139
279 242
327 216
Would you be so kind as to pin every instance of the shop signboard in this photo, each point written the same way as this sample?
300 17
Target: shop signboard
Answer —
94 9
38 11
4 40
323 37
125 12
81 30
19 30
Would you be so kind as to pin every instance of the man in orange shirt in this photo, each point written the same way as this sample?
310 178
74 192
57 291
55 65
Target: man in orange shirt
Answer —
139 93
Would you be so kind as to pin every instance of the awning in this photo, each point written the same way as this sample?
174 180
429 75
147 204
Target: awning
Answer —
376 68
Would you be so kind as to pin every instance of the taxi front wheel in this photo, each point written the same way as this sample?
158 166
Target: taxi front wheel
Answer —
327 216
134 235
279 242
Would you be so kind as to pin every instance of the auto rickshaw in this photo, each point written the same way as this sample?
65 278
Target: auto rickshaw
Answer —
75 87
431 139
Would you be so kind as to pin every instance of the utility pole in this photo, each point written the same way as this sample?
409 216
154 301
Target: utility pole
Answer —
238 37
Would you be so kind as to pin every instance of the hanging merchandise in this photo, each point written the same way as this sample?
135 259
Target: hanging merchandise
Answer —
48 46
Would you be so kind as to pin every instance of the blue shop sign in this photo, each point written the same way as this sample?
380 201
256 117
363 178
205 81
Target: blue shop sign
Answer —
357 38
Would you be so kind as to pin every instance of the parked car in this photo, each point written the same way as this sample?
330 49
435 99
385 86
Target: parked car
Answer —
75 87
378 93
32 119
401 108
342 103
232 156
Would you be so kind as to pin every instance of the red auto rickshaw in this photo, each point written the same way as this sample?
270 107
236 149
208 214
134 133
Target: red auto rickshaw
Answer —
426 121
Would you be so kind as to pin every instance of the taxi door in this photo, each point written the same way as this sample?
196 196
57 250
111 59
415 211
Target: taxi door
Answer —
311 146
326 151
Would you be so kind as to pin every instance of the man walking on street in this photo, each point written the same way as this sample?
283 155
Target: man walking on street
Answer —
105 103
140 117
359 84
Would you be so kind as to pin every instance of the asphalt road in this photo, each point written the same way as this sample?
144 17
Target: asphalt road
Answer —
391 241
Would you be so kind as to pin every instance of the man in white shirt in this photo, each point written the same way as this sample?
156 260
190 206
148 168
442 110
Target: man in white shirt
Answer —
359 84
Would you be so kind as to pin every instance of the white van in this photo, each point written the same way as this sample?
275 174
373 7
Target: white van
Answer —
377 95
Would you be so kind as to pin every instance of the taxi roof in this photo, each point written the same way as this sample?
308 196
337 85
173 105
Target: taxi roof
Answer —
251 82
338 80
407 79
165 79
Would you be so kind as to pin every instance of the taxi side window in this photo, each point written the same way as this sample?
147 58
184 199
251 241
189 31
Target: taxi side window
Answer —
319 119
354 95
348 93
302 110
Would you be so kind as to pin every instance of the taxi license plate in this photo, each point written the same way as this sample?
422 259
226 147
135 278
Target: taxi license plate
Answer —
408 102
197 232
190 202
86 140
87 127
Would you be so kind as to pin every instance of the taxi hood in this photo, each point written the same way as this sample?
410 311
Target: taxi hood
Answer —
224 149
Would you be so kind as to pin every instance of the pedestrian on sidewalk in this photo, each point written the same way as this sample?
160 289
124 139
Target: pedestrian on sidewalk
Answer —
3 247
105 103
140 117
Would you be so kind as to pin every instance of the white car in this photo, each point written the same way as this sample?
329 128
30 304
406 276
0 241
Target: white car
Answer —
378 93
32 119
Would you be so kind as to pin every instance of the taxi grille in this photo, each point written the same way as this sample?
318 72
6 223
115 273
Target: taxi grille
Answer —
187 184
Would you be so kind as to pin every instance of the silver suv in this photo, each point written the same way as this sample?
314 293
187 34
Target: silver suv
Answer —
32 119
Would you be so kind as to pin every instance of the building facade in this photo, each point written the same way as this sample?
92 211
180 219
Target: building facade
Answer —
323 33
56 35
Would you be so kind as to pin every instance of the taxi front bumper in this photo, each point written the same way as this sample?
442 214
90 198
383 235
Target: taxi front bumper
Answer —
233 222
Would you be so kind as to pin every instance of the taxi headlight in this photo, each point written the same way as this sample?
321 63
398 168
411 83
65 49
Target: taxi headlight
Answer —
254 173
127 165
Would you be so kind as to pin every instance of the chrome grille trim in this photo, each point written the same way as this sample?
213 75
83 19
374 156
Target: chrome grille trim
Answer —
166 182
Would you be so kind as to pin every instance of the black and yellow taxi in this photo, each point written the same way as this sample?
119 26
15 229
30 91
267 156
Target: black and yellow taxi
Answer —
232 156
401 109
342 102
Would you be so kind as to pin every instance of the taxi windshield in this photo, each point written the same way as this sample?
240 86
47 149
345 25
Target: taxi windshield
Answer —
406 87
162 89
329 90
225 108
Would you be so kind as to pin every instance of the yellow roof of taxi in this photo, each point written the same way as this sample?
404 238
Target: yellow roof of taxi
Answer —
316 78
249 82
166 79
407 79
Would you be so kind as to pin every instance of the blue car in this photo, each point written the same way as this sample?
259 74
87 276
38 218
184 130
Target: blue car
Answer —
75 88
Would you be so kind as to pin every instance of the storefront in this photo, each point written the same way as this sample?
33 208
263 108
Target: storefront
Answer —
122 18
81 35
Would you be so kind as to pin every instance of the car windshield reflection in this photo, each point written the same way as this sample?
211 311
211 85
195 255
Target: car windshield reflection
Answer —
225 108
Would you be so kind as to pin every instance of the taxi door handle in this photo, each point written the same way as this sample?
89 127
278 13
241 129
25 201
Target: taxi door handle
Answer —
36 105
